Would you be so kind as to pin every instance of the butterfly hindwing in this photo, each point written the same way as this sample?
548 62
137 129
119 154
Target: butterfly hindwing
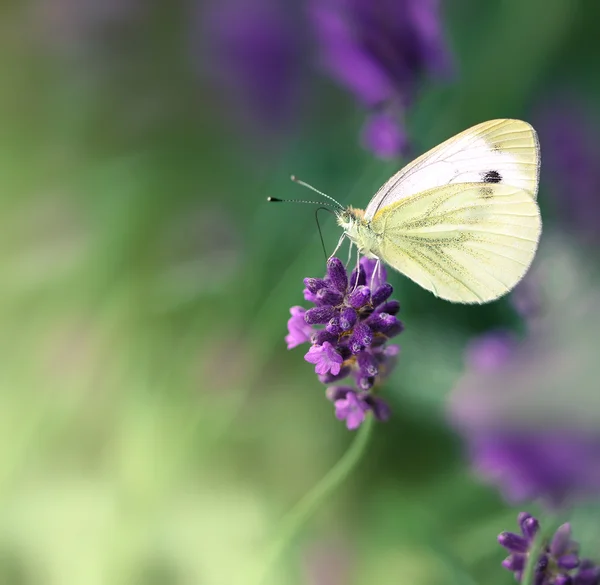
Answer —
495 152
468 243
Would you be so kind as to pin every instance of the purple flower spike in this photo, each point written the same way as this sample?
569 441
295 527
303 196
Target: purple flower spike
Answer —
352 409
253 52
558 562
325 358
348 331
380 52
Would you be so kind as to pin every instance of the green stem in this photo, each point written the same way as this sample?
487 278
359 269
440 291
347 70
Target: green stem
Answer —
303 510
534 552
532 560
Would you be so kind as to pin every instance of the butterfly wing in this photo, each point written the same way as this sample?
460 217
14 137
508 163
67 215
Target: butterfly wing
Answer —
496 152
467 243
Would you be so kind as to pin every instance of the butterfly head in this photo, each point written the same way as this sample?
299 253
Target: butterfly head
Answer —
357 228
350 218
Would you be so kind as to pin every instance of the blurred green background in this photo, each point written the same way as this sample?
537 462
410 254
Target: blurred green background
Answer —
154 427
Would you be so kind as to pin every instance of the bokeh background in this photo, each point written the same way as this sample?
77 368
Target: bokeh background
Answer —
154 427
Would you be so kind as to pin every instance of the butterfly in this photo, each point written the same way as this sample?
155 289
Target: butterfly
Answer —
462 220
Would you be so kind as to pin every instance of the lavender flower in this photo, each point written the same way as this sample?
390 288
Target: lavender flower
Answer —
348 328
380 51
553 465
528 413
569 135
490 351
254 56
558 562
555 462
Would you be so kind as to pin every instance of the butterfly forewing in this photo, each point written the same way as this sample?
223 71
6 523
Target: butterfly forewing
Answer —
468 243
495 152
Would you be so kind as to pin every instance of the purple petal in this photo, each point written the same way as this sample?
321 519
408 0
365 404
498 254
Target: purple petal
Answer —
319 315
314 285
335 393
359 297
347 318
329 296
382 293
337 274
513 542
352 409
325 358
561 540
515 562
529 525
298 330
568 562
361 338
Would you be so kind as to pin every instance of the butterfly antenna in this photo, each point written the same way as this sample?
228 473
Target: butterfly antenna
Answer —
319 228
277 200
296 180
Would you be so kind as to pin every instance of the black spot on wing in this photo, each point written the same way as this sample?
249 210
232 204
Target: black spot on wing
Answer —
492 177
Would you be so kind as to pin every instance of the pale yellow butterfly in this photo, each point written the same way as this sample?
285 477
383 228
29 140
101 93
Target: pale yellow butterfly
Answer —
461 220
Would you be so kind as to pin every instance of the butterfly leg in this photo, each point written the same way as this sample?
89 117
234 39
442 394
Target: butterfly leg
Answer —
349 253
338 245
376 271
357 269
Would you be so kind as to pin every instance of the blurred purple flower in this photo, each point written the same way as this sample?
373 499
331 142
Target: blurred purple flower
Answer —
558 562
554 466
528 410
253 52
380 51
383 136
527 299
572 161
490 351
349 328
